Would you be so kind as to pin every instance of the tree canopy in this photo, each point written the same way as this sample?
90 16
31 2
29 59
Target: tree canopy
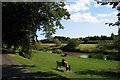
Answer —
21 20
117 6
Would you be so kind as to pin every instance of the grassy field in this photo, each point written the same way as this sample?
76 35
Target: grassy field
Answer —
44 66
82 47
86 47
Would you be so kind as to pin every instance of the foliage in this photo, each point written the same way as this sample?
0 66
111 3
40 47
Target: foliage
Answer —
72 44
109 46
62 38
100 56
36 46
57 42
26 54
59 51
92 55
47 41
113 57
24 19
97 56
116 6
86 40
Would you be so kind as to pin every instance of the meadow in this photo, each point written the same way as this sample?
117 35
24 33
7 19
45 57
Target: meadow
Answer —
43 64
86 47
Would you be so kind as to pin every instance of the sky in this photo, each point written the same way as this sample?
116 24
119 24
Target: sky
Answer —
87 19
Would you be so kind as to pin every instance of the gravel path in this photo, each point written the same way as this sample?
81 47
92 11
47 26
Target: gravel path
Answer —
11 69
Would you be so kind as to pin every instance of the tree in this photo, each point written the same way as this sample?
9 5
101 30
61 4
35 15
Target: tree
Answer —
21 20
86 40
114 5
117 6
72 43
57 42
112 36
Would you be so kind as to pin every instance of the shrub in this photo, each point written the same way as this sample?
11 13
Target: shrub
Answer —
92 55
36 45
97 56
100 56
73 43
59 51
113 57
43 49
57 42
71 46
27 54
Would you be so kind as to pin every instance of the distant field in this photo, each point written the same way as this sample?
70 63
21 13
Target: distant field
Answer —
47 44
50 44
44 66
82 47
86 47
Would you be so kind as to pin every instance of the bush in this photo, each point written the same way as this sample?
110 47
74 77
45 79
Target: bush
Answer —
97 56
59 51
43 49
92 55
113 57
36 46
57 42
27 54
73 43
71 46
100 56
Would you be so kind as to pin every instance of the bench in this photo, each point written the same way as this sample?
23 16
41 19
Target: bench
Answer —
61 64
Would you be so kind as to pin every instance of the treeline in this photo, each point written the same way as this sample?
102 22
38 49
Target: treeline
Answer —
102 37
60 38
86 40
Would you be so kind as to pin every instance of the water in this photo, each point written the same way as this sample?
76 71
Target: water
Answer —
82 55
77 54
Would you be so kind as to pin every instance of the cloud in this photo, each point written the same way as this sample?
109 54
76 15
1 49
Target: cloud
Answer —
97 5
86 17
80 5
107 15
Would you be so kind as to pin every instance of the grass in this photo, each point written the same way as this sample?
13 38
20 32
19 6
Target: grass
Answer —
86 47
45 66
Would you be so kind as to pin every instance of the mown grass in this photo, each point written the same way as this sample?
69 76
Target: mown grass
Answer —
45 64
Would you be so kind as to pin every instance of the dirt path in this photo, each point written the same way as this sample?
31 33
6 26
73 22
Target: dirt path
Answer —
11 69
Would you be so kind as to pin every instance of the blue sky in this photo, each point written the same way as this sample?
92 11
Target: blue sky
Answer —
87 19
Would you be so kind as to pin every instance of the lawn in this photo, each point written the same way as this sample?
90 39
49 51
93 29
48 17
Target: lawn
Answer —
44 66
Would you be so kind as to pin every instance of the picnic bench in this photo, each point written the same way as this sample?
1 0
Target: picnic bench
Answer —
59 64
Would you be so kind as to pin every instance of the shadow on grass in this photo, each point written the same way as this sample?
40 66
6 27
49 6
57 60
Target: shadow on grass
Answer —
11 72
107 74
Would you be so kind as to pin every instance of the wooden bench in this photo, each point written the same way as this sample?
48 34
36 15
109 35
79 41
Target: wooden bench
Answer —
61 64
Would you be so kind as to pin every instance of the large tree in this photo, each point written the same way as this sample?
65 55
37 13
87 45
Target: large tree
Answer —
116 5
21 20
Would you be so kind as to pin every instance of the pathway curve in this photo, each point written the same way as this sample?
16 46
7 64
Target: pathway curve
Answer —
11 69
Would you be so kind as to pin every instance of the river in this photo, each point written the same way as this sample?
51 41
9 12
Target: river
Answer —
77 54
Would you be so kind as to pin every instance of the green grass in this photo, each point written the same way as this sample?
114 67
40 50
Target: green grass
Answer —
45 65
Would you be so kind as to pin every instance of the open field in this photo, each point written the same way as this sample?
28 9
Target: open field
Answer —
83 46
44 64
86 47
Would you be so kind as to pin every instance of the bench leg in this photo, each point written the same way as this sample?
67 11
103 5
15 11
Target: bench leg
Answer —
69 67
